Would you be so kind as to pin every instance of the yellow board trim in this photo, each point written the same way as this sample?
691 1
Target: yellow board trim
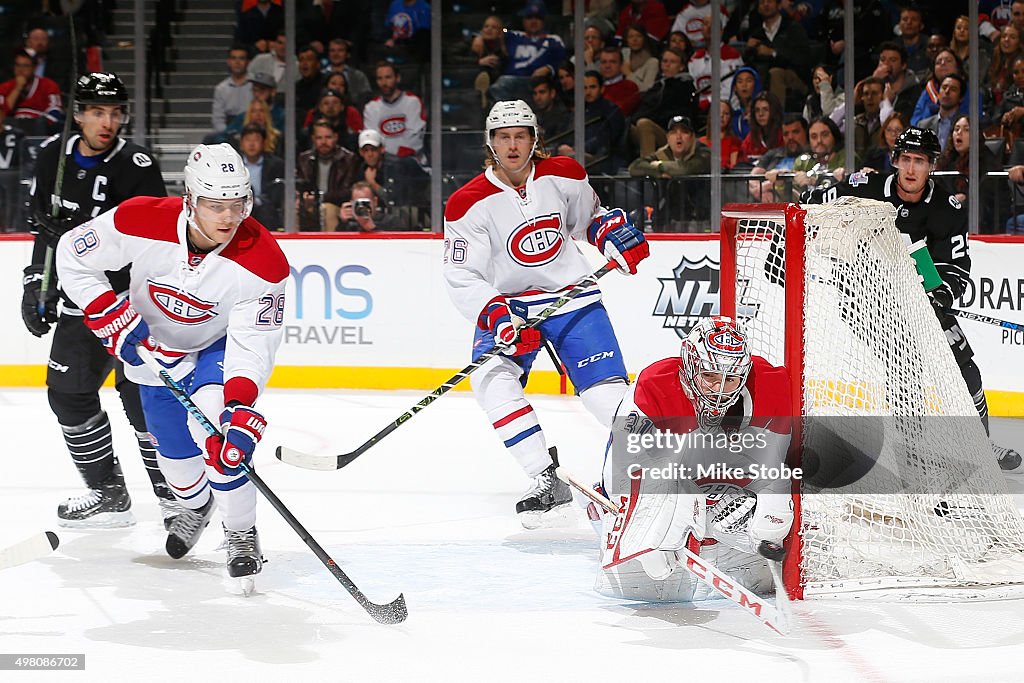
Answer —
1000 403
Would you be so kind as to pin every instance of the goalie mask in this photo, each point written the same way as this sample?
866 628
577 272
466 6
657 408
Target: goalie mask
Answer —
510 114
715 363
215 172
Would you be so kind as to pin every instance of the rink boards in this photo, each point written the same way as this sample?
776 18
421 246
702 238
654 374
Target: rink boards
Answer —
373 313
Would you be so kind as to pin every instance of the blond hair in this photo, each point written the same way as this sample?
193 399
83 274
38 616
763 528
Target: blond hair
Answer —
273 134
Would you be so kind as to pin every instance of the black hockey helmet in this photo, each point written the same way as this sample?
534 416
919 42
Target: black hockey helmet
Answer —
921 140
101 87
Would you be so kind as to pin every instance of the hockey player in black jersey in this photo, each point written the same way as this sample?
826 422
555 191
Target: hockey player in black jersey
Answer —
101 170
925 211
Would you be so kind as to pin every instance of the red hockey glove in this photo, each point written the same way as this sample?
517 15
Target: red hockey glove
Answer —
508 329
242 429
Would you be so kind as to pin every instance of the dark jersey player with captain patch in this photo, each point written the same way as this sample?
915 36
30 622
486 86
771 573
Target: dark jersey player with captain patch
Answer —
101 170
926 212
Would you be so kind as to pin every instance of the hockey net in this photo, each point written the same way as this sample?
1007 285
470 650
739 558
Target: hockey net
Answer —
902 490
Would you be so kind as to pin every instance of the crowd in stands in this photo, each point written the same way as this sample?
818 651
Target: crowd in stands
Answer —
361 87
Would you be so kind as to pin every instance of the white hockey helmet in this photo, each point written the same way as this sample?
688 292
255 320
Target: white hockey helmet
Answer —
216 172
509 114
713 345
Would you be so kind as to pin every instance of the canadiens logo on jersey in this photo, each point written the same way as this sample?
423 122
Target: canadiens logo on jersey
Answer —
393 126
537 242
179 306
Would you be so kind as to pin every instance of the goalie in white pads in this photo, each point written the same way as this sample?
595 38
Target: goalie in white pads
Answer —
508 254
207 300
697 461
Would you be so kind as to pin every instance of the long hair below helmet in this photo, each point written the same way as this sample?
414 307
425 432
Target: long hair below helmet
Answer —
714 345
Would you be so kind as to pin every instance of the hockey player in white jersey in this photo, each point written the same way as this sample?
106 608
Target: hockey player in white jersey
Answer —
207 299
696 460
509 252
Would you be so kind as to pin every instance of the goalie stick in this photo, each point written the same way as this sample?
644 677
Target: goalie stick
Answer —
29 550
978 317
394 612
336 462
776 618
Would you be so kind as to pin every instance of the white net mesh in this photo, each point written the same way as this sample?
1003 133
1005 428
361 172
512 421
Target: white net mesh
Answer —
912 493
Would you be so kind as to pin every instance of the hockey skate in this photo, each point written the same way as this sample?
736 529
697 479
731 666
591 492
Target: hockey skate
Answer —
108 506
170 507
547 494
186 529
1009 460
245 560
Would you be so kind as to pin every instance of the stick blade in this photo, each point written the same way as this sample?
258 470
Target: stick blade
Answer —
321 463
29 550
395 612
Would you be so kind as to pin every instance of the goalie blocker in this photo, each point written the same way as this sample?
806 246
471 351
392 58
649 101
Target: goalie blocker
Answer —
713 409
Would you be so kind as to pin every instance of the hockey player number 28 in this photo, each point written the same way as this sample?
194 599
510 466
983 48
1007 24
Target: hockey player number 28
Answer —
85 242
272 312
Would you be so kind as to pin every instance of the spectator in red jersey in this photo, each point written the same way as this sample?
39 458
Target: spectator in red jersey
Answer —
32 103
624 93
650 14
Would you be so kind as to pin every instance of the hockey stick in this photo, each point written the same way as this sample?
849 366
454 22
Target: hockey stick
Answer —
776 618
58 183
336 462
978 317
29 550
394 612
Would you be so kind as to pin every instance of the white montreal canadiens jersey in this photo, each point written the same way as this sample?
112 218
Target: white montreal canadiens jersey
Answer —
401 123
519 243
237 290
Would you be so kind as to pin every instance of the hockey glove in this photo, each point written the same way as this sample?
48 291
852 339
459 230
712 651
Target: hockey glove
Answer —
941 298
242 429
619 240
508 329
120 327
51 228
38 324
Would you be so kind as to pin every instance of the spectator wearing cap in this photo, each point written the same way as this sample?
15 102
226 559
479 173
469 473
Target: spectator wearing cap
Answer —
326 173
682 155
33 102
531 52
338 51
273 61
331 106
258 26
263 90
397 182
232 95
266 175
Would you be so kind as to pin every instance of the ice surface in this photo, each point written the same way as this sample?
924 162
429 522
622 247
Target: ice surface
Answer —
427 512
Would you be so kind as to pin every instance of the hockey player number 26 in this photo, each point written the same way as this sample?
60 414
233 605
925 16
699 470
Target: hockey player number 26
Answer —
456 250
272 312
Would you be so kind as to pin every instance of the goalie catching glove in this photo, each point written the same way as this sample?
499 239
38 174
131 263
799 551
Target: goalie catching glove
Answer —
507 328
619 240
242 428
120 328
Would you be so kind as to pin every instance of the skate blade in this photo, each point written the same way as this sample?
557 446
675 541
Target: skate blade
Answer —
247 584
104 520
557 517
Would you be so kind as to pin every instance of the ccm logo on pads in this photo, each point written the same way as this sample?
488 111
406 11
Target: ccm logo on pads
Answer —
180 306
536 242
